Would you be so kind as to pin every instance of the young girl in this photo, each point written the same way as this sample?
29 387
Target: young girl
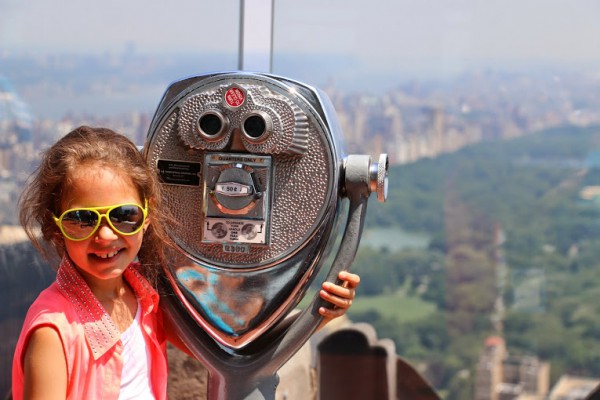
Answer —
97 332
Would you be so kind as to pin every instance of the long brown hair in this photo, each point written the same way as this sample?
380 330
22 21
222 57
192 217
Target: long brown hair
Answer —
41 197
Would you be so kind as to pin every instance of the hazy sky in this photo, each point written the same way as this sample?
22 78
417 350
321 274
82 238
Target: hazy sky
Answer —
380 32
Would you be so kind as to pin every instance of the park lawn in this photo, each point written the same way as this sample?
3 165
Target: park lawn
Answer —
396 305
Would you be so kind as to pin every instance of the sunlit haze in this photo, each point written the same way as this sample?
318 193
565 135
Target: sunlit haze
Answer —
384 34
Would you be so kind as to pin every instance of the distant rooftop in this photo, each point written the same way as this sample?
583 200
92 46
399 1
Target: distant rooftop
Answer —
573 388
11 234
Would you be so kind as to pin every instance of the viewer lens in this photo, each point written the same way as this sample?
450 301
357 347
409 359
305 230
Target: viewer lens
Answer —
255 126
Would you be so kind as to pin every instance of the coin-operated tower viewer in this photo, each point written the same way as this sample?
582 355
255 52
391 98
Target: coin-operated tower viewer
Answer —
255 172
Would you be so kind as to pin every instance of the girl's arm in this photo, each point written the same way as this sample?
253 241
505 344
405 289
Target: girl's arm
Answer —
45 366
340 296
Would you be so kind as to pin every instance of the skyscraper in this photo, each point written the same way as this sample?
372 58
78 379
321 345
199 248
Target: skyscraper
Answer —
15 117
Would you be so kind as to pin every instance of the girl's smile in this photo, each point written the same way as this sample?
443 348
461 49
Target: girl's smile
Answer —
108 255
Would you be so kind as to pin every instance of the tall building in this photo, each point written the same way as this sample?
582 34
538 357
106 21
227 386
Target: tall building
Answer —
438 137
489 369
15 116
16 148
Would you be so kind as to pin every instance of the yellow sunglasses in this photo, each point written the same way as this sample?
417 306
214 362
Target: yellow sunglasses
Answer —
80 223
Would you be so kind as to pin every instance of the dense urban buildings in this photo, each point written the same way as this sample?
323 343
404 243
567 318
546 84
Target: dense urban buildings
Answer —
408 121
500 376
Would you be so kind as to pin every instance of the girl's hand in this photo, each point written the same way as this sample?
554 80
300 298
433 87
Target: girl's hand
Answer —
340 296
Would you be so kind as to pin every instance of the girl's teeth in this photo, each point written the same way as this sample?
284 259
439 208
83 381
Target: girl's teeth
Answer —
108 255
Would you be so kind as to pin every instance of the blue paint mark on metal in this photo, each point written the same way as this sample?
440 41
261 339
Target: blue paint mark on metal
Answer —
208 299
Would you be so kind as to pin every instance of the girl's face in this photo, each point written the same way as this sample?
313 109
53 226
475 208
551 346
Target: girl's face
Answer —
106 254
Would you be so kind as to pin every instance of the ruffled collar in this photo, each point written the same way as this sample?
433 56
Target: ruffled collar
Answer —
100 331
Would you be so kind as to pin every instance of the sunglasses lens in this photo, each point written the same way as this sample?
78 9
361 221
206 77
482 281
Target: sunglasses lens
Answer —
78 224
126 219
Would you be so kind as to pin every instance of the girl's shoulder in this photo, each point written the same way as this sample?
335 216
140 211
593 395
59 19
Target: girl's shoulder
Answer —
50 306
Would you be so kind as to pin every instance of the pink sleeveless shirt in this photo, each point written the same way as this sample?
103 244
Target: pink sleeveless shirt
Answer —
92 342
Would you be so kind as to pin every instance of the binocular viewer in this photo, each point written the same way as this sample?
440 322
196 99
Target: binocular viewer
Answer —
254 169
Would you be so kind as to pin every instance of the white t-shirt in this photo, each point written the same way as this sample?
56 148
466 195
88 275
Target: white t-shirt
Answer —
135 379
